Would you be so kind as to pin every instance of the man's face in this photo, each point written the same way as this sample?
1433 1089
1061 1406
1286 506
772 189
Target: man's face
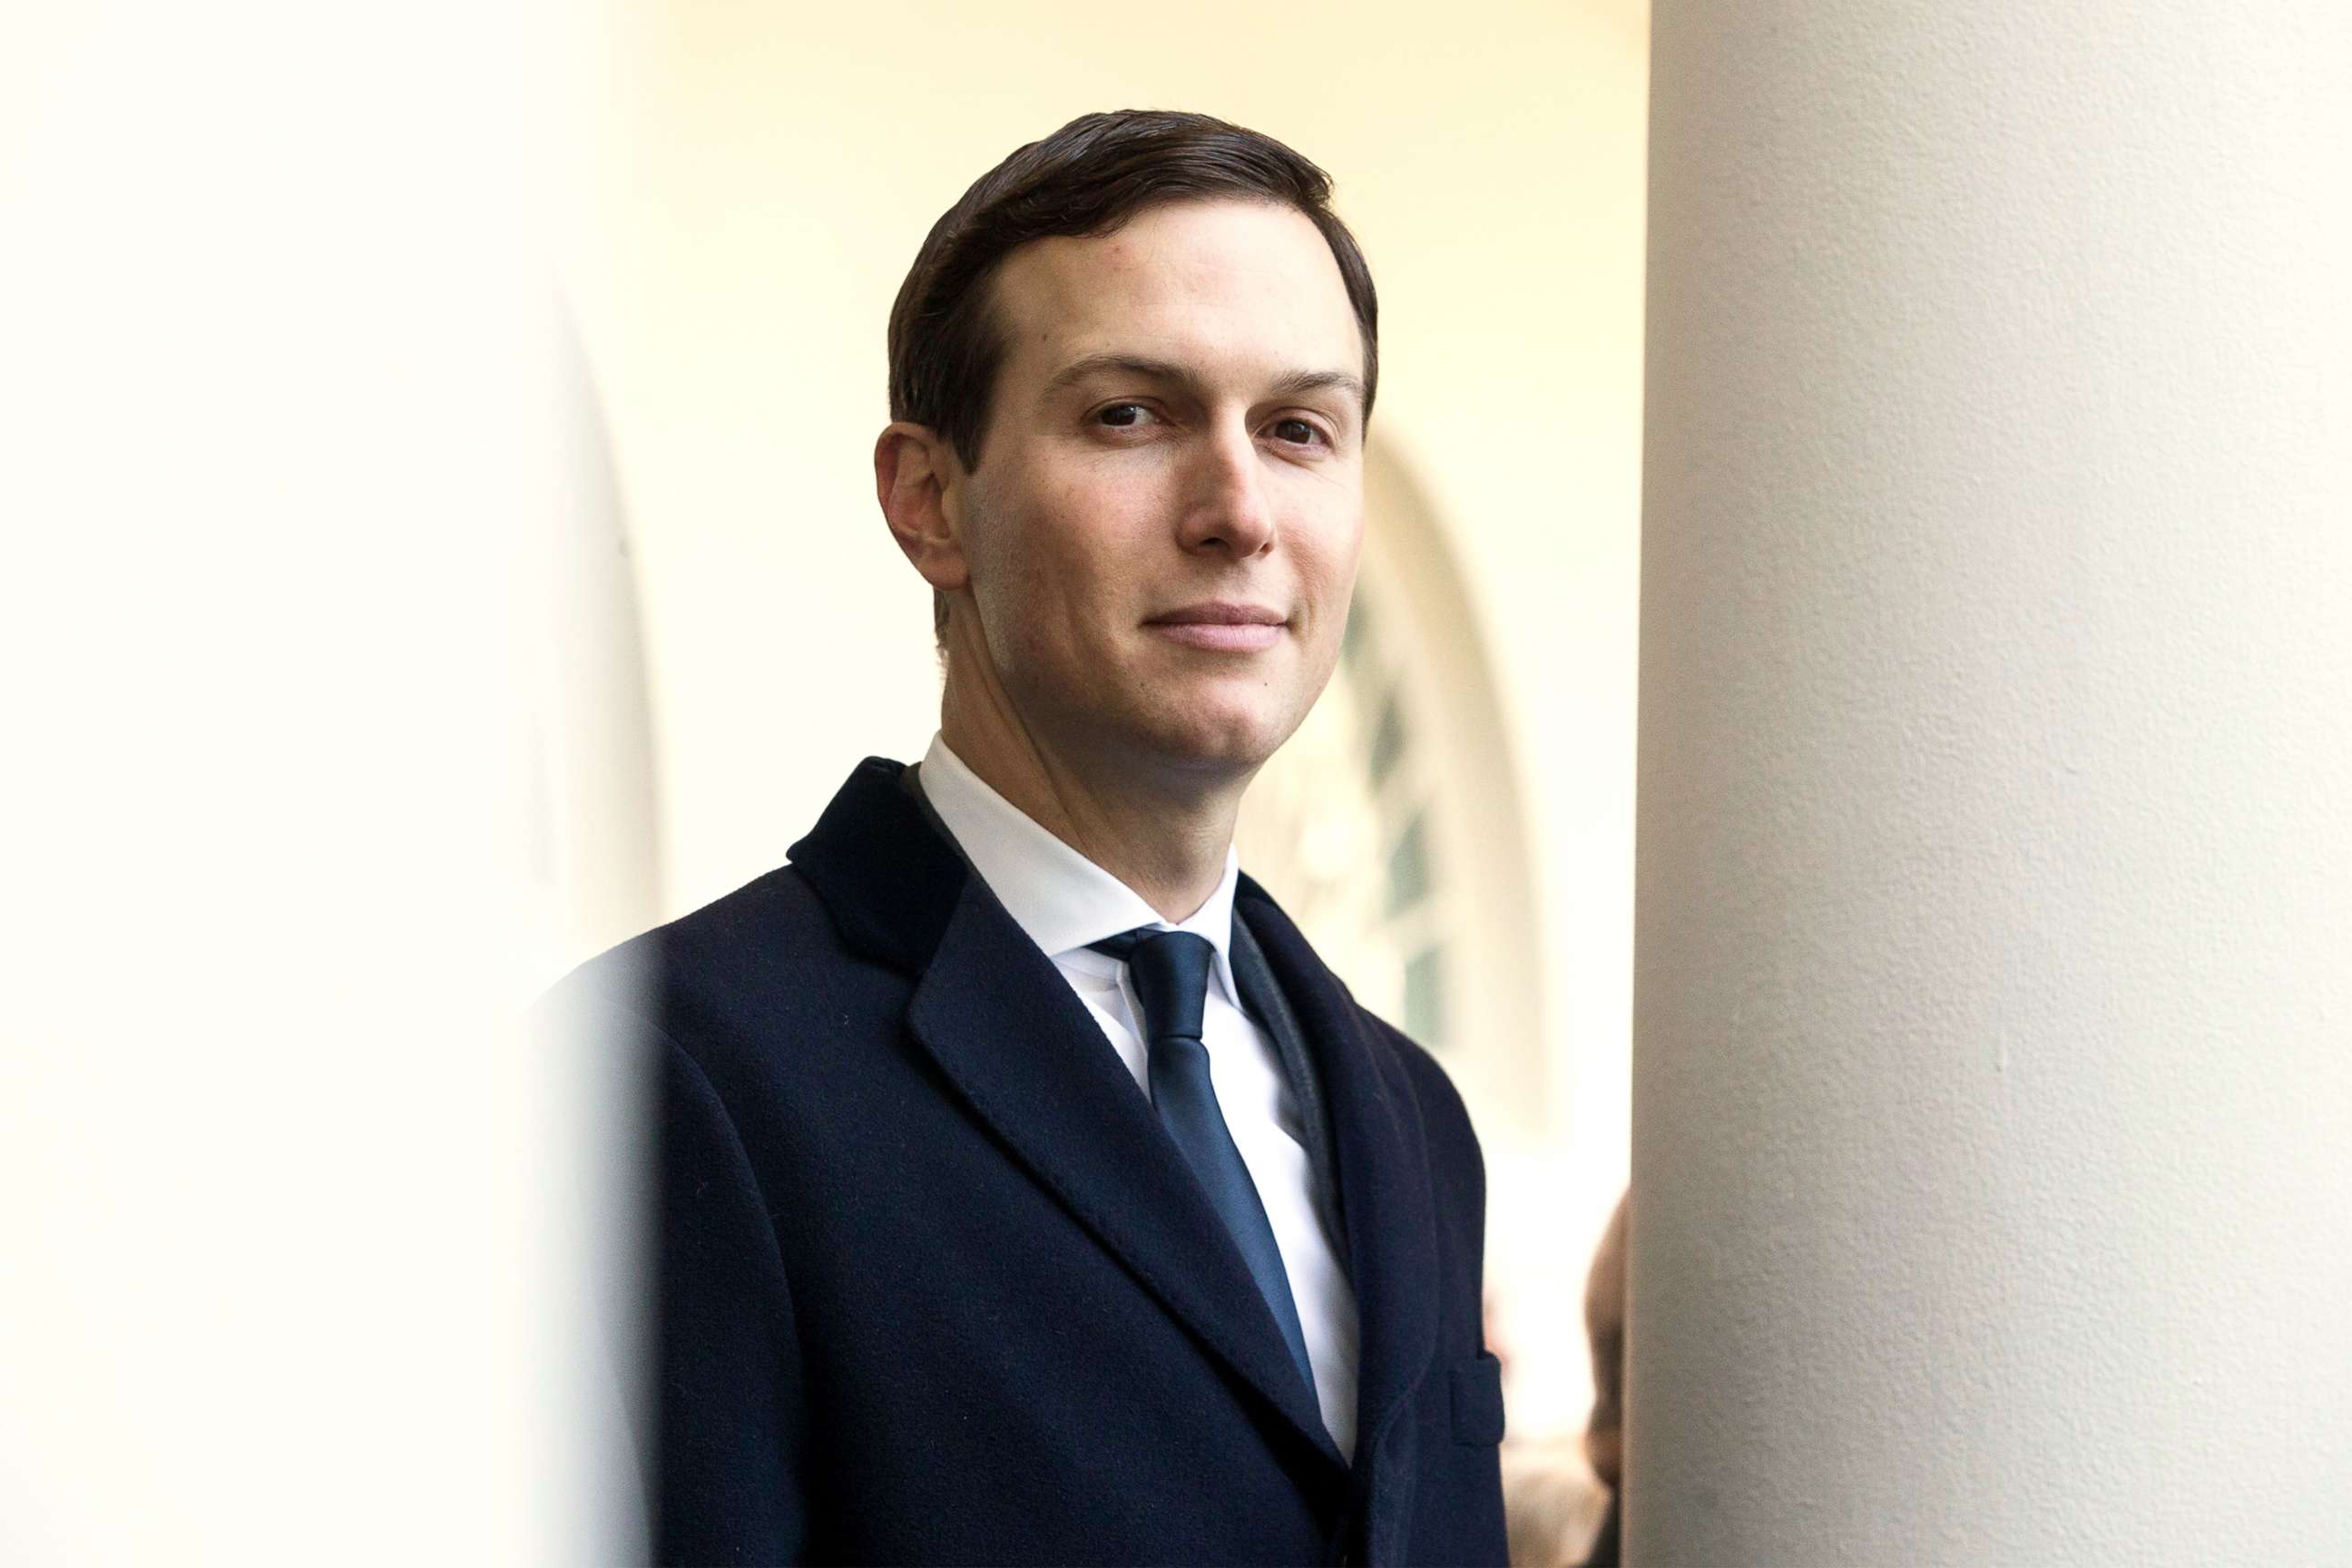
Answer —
1163 528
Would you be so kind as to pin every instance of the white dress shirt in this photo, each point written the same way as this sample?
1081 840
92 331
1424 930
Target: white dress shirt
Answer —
1064 900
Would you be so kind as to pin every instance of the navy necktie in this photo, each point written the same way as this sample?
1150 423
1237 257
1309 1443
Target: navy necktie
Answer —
1171 972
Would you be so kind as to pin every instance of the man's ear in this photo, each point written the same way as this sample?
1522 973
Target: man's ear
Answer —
918 481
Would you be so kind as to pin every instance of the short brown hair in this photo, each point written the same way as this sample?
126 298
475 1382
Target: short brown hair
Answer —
1087 178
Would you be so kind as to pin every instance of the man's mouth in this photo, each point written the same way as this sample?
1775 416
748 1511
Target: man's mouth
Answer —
1222 626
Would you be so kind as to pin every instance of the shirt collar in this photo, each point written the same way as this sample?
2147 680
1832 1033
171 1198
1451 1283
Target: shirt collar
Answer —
1061 900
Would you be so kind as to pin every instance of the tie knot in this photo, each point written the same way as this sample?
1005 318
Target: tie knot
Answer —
1171 971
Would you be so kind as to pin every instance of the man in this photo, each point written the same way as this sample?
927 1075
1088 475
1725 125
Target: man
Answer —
1029 1191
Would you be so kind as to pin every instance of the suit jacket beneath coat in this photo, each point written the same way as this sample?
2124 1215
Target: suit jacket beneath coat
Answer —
934 1286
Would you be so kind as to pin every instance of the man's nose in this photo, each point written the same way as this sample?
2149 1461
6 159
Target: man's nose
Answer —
1227 508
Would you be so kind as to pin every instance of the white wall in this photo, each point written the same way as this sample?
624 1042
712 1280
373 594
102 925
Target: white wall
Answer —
768 173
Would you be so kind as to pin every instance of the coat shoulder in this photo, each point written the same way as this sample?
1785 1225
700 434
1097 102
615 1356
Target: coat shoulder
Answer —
741 968
776 912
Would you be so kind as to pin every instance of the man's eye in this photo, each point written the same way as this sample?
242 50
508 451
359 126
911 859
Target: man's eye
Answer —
1121 416
1297 432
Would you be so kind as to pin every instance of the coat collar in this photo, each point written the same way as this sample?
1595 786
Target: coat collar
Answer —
992 1010
886 874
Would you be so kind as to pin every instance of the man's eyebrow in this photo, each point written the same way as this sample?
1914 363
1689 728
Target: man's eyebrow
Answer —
1079 370
1296 384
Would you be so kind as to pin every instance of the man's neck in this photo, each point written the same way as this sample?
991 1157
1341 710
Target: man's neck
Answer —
1166 838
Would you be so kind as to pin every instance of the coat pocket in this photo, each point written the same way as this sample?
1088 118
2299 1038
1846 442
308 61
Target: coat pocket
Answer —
1479 1400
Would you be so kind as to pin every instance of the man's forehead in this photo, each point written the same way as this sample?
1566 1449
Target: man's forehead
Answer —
1180 282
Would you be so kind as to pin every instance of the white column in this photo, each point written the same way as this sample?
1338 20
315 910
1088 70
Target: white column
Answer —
1992 1094
321 745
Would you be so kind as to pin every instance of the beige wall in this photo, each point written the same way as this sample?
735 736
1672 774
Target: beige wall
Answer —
765 175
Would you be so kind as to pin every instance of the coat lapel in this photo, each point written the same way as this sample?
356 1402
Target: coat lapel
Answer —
1263 1000
1024 1054
1389 1215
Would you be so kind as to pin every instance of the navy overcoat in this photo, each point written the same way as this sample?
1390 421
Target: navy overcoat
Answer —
933 1285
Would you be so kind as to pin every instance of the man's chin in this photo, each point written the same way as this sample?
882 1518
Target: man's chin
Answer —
1228 744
